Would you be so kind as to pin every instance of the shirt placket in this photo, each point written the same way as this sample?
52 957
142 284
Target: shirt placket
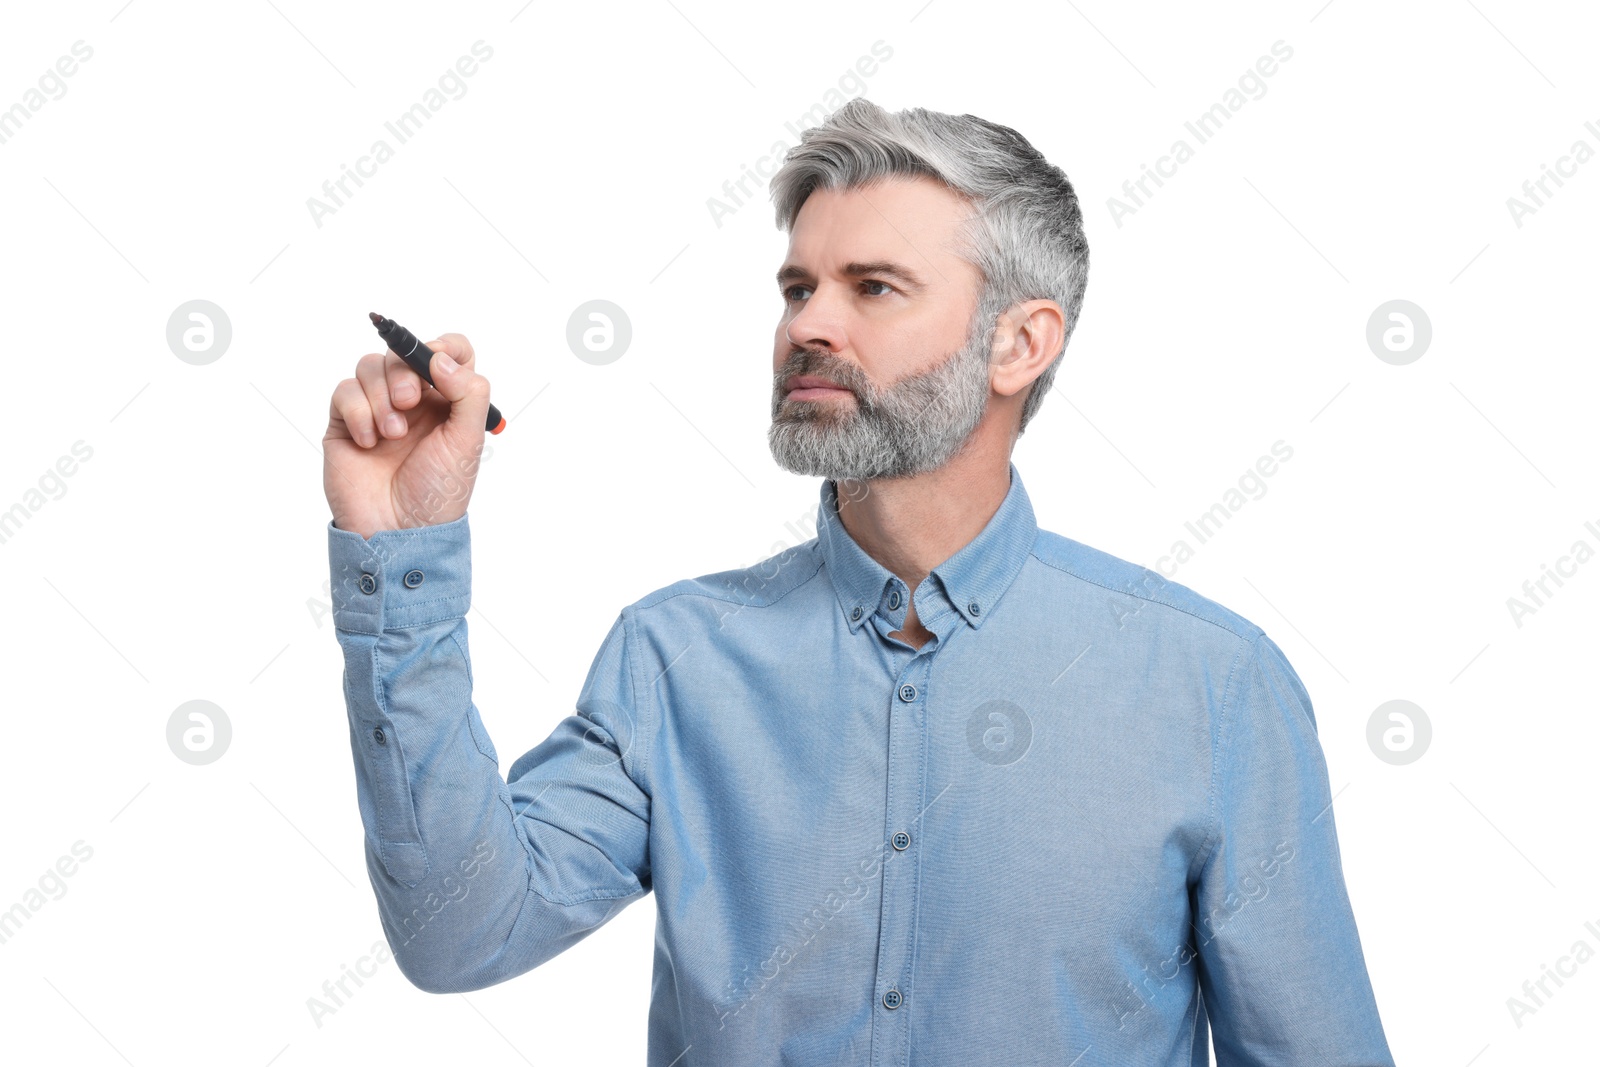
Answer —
894 981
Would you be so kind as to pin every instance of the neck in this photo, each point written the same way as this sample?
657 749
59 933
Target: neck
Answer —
911 525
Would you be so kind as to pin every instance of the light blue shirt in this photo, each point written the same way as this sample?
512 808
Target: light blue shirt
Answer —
1087 823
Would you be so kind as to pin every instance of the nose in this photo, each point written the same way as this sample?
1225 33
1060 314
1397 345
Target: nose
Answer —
817 323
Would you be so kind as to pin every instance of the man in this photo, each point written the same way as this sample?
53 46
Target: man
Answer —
935 787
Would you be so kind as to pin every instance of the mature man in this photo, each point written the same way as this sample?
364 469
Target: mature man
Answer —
935 787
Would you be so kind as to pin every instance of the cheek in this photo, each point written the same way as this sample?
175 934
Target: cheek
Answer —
956 329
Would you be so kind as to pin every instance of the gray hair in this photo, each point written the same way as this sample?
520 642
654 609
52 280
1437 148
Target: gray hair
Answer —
1026 233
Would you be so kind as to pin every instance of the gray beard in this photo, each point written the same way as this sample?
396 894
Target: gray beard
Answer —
914 425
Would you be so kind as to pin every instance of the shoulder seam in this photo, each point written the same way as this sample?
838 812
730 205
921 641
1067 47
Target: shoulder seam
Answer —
1219 746
647 737
650 601
1146 597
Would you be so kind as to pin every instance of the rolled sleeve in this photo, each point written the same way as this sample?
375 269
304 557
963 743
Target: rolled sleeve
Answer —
1281 967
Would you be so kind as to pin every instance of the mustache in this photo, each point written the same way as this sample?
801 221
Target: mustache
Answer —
816 362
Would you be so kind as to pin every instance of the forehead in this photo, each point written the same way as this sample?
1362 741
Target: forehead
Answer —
915 220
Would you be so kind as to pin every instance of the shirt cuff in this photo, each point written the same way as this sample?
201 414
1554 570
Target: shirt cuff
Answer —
399 578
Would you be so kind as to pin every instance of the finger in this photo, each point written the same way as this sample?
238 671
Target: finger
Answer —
350 415
459 347
405 384
468 393
375 384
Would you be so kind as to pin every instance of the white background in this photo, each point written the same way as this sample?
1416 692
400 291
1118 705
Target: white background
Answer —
187 558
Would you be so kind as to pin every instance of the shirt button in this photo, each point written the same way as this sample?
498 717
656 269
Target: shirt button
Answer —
901 840
377 735
972 608
413 579
367 583
894 599
908 692
891 999
855 615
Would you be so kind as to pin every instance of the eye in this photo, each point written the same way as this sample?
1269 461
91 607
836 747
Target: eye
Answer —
788 294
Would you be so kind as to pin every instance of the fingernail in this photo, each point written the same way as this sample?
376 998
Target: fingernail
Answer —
394 424
405 391
446 364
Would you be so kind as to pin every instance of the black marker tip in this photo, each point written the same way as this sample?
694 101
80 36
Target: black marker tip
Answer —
377 319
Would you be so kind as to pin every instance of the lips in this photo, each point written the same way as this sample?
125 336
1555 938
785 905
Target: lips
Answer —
812 387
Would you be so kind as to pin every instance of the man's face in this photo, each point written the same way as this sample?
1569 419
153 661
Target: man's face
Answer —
877 310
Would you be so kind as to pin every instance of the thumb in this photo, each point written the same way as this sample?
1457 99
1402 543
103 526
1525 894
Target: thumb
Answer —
467 391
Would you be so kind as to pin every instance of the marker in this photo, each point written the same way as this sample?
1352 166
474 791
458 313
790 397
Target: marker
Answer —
403 343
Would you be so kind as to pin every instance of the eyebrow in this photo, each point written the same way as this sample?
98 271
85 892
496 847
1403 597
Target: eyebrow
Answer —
889 269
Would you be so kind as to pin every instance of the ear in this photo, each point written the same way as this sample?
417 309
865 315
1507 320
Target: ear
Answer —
1027 339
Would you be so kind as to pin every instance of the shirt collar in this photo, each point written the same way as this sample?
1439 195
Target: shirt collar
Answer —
973 580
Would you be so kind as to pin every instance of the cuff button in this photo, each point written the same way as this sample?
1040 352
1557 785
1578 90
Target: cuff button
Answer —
368 583
413 579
